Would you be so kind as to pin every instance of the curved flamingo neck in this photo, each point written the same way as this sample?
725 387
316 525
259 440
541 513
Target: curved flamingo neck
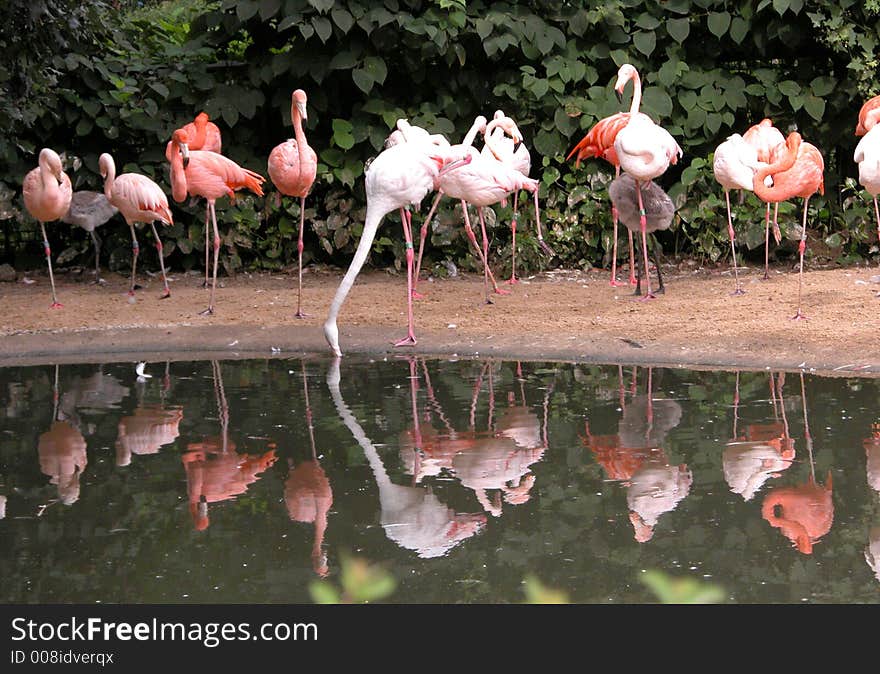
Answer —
178 173
637 92
298 131
783 163
492 140
110 167
479 123
201 124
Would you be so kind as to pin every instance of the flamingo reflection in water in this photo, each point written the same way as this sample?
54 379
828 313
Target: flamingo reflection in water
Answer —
95 393
215 471
62 452
872 466
151 427
804 512
413 517
636 458
498 459
307 492
763 451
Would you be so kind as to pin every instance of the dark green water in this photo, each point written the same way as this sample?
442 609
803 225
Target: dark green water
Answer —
461 477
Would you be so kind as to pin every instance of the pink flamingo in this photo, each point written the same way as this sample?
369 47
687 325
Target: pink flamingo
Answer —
484 182
209 175
645 150
599 142
734 166
293 166
767 141
399 176
798 172
203 134
869 115
47 193
513 152
466 145
867 156
139 199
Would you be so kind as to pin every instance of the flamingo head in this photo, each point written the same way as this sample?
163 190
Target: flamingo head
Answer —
298 102
52 161
181 139
626 73
202 118
105 161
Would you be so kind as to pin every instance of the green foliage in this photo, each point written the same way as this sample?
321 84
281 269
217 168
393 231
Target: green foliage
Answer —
361 583
670 590
538 593
85 78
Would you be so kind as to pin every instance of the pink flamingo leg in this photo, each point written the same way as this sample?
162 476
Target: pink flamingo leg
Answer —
802 246
643 223
167 292
207 245
422 236
210 310
877 215
486 258
513 280
299 251
614 220
767 244
135 251
55 303
472 237
737 290
632 259
410 338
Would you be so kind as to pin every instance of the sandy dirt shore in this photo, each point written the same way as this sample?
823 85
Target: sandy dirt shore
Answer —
558 315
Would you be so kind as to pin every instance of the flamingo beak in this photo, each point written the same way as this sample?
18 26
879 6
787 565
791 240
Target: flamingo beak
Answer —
619 95
184 151
301 107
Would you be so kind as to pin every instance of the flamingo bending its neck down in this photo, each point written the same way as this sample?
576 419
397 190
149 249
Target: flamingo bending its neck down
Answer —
869 115
293 166
599 142
399 176
734 166
139 199
768 141
645 150
47 192
798 172
867 156
209 175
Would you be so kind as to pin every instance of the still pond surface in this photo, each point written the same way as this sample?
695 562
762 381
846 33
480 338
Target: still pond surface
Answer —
246 481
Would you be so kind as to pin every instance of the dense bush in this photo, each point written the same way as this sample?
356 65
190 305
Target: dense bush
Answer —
709 68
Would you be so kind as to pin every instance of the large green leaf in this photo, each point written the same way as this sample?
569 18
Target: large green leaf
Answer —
678 29
718 23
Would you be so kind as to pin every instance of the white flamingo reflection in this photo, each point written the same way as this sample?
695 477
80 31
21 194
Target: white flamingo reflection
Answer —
763 451
412 517
62 453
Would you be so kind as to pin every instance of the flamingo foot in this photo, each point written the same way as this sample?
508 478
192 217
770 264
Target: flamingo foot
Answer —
416 295
207 312
648 296
301 314
799 316
409 340
766 276
131 292
512 281
738 291
614 283
56 305
501 291
165 295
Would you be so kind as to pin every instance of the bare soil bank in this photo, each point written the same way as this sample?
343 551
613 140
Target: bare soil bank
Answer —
558 315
